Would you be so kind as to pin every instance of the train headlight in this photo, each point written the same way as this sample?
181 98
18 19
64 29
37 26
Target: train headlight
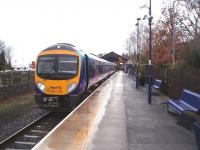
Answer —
71 87
41 86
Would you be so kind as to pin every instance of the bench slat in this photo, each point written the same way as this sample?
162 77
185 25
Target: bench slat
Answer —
191 98
157 84
181 106
189 101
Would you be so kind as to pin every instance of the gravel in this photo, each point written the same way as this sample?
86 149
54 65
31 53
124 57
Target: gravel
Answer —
12 126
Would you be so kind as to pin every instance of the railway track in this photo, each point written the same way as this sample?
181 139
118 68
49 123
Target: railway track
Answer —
30 135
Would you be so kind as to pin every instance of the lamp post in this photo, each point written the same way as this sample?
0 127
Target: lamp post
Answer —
149 67
137 55
173 36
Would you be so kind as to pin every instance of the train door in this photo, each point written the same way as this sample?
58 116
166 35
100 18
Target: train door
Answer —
86 71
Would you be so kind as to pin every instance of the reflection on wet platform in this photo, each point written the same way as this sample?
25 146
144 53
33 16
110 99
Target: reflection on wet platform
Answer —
75 131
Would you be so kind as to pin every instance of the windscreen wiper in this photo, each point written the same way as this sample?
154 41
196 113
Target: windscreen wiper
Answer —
47 74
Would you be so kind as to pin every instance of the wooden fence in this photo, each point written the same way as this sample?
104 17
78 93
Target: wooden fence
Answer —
178 79
15 82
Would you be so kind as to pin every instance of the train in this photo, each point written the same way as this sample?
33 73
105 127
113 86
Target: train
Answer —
64 72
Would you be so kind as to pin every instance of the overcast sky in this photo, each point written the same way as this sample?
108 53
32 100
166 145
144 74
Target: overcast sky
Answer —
95 26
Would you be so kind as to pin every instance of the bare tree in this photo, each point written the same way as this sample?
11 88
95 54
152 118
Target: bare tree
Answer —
5 55
189 21
8 55
2 46
130 46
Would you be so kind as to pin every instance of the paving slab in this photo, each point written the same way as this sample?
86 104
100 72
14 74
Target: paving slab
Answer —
131 123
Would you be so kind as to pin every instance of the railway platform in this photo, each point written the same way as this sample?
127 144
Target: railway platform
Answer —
117 117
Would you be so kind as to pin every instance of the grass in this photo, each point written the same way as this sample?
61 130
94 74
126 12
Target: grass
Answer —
14 107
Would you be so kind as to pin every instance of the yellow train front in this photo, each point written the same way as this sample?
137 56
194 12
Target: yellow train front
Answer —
63 73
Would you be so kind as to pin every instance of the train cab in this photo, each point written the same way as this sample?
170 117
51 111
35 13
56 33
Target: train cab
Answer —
57 75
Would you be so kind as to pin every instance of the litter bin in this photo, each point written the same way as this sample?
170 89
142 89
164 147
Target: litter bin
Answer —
197 133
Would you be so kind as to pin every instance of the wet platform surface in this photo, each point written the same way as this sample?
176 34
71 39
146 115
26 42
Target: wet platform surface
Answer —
118 117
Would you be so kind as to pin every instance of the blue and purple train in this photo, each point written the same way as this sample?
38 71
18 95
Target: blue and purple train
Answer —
64 72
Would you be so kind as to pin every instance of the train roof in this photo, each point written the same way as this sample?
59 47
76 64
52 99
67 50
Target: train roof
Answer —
92 56
71 47
66 46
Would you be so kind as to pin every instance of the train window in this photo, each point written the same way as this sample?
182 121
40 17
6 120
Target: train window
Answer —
46 64
68 64
57 67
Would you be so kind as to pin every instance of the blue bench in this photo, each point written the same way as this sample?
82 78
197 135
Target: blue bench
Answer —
157 84
197 133
189 101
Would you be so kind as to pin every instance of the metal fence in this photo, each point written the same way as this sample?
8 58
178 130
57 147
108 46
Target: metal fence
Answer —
175 80
15 82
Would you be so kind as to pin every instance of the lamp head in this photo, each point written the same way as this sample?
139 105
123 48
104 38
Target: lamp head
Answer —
145 16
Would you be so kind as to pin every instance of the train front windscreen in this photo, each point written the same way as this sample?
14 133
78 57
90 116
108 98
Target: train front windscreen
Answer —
57 67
